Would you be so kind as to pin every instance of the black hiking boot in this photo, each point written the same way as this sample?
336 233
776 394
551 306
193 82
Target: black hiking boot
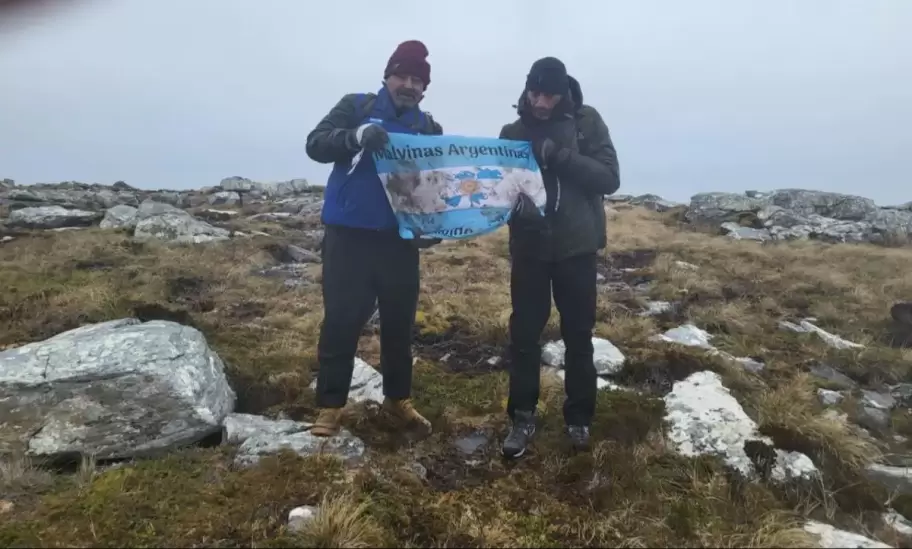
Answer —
579 437
520 435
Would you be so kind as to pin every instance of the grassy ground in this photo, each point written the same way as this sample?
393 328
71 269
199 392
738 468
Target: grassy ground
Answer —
632 490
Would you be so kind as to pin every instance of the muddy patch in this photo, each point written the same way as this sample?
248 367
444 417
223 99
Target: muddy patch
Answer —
453 470
153 311
262 396
656 375
462 355
632 259
192 292
626 271
473 443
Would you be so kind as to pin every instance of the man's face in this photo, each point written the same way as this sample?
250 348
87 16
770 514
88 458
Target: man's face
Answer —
542 103
406 91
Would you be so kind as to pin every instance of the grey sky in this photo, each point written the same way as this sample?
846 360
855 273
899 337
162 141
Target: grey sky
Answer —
701 95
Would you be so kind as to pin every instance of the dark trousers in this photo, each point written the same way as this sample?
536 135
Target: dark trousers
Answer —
360 267
572 282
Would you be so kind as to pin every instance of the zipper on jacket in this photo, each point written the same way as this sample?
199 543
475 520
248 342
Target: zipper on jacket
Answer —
557 200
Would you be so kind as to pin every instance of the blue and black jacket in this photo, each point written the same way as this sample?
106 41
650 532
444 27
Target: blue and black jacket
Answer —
357 199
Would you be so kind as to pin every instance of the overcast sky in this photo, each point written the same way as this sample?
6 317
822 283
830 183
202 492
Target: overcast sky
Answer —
703 95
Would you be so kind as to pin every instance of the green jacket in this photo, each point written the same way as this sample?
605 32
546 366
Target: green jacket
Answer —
577 226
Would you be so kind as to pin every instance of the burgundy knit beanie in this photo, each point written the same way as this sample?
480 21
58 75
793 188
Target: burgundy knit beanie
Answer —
410 59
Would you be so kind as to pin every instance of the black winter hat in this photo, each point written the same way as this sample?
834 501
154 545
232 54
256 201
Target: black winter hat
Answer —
548 75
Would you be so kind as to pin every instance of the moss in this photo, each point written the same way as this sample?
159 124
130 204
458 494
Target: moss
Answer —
187 499
438 392
430 324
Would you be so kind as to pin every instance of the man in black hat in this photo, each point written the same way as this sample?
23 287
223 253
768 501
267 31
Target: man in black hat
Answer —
557 252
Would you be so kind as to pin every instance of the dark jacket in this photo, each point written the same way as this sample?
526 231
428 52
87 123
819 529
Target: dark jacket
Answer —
357 199
575 215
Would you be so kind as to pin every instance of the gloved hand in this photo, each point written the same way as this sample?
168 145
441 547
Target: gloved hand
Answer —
370 137
525 214
548 154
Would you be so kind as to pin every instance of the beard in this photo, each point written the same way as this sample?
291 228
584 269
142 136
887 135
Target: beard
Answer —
407 98
541 113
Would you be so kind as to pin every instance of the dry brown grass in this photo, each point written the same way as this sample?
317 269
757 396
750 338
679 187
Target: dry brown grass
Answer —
341 521
632 490
19 475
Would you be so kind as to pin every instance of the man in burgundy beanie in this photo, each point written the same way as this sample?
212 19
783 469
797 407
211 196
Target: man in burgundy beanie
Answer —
365 261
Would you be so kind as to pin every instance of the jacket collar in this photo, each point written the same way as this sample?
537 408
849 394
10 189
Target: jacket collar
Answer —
386 109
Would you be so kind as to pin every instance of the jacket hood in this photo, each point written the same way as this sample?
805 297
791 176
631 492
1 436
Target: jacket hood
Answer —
576 92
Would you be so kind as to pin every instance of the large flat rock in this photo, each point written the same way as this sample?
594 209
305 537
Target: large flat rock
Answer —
117 389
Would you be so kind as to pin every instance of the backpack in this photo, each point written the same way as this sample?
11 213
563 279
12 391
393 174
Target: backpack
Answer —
364 104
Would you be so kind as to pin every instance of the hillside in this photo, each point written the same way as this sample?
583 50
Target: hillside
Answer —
762 399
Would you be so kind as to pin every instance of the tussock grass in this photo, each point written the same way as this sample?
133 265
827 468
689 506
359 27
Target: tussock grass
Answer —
341 521
631 490
20 475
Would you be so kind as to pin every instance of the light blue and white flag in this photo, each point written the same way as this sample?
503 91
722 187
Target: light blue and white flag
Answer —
454 187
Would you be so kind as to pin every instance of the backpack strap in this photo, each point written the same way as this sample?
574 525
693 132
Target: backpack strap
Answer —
364 105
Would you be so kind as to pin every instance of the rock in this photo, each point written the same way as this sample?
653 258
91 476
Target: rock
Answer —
300 516
907 207
240 427
217 215
829 398
737 232
686 266
301 255
750 364
120 217
834 376
609 360
705 419
879 401
301 206
117 389
165 222
236 184
900 524
654 308
902 393
789 214
687 334
600 382
345 446
51 217
834 538
895 479
224 198
367 383
805 327
150 208
653 202
6 239
873 419
270 217
259 436
268 190
5 506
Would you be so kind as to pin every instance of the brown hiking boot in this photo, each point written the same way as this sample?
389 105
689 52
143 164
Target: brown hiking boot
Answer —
328 423
404 411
